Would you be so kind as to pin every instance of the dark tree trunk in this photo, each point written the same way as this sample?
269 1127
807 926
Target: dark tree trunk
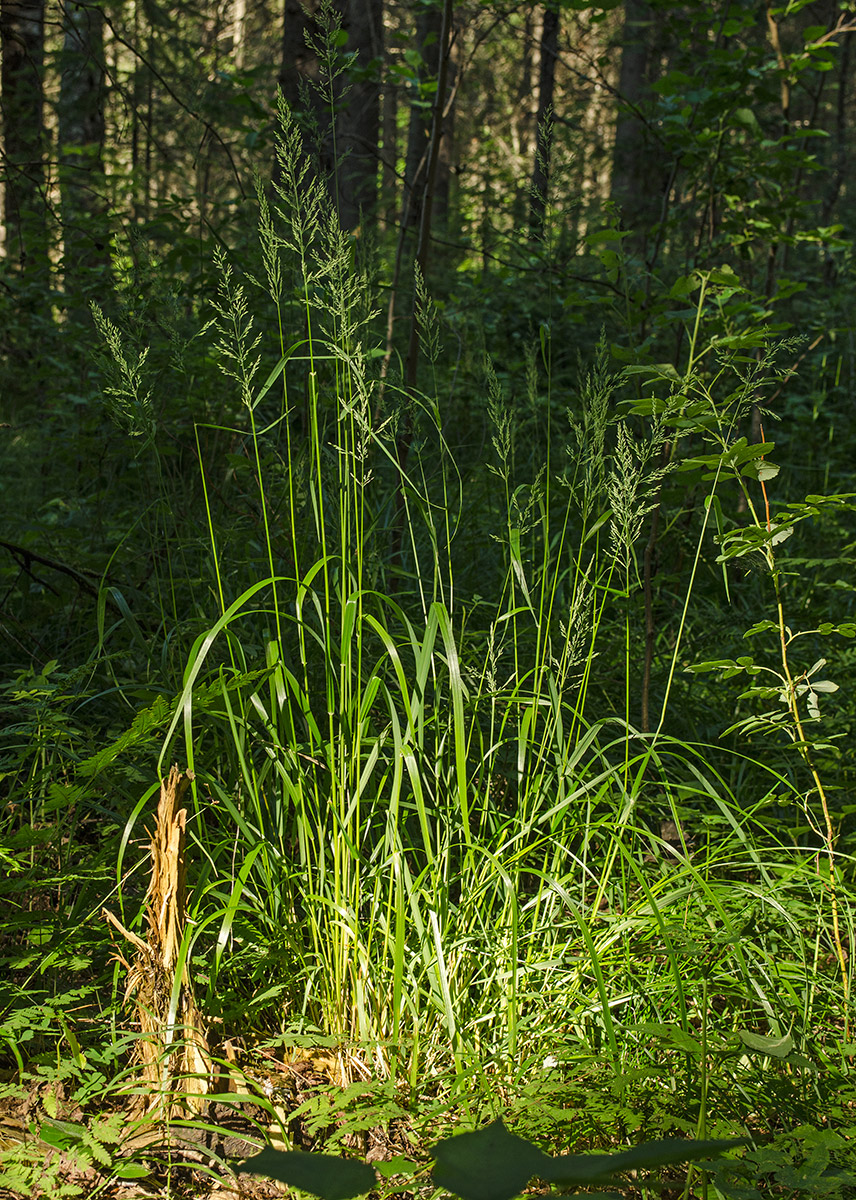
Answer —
358 118
428 28
525 88
302 81
85 220
430 157
24 209
389 190
549 50
637 181
337 102
299 64
446 153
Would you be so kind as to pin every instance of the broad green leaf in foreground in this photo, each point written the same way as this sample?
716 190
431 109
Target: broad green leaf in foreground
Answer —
489 1164
578 1169
589 1195
324 1175
493 1164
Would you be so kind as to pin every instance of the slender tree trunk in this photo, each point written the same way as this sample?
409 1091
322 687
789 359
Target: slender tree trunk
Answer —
24 209
86 233
549 49
428 28
137 205
431 155
525 88
358 119
389 190
524 113
446 152
239 18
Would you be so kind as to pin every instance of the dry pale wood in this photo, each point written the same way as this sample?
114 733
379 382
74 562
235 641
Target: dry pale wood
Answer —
173 1049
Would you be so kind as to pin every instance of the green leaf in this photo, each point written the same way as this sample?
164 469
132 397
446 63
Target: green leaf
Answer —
399 1165
591 1168
663 370
323 1175
761 627
726 665
775 1047
684 286
493 1164
669 1033
588 1196
781 534
61 1134
760 470
131 1170
746 118
490 1164
277 371
724 275
606 235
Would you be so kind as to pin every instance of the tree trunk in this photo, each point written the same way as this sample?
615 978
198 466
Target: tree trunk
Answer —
24 210
300 80
549 50
636 180
446 153
389 190
358 119
299 63
525 88
239 19
431 157
428 29
84 203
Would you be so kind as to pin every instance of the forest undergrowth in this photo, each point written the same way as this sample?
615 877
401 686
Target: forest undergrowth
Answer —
511 712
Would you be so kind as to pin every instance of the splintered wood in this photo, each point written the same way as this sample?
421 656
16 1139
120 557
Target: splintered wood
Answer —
172 1050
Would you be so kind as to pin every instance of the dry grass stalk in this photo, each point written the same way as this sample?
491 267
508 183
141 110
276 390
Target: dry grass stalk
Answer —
173 1049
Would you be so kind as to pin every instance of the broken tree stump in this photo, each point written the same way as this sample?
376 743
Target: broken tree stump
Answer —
173 1049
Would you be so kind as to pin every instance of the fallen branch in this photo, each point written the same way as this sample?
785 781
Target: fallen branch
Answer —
23 556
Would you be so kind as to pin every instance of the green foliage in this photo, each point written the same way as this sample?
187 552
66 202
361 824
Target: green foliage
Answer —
799 1163
478 803
489 1164
50 1154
